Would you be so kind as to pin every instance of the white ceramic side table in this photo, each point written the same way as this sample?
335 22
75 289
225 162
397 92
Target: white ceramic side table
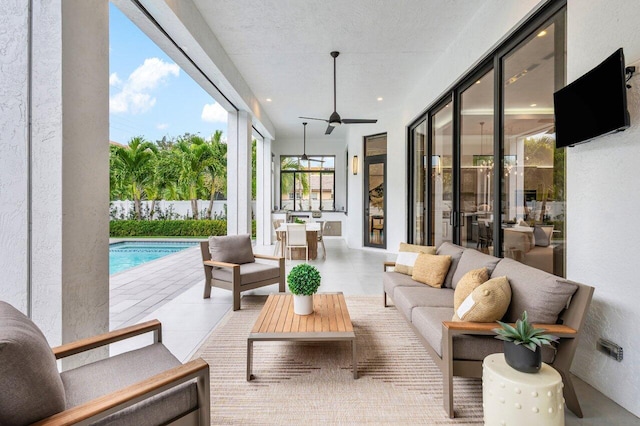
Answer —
511 397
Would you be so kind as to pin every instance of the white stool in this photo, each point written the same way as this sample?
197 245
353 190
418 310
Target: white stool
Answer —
511 397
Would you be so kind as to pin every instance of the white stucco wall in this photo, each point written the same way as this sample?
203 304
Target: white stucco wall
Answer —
602 178
68 159
14 154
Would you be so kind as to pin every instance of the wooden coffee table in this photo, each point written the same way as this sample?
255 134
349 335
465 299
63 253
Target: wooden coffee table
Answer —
329 322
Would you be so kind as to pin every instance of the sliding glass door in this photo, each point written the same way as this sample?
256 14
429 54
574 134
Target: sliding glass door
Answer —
441 211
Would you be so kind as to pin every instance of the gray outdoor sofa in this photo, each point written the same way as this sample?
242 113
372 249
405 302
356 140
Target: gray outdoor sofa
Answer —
458 348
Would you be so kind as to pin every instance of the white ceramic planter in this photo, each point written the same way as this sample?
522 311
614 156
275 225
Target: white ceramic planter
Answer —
302 305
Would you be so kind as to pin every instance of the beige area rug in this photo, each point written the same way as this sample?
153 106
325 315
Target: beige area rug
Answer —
312 383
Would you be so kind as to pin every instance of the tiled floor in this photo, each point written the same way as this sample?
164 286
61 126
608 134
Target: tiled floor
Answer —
170 289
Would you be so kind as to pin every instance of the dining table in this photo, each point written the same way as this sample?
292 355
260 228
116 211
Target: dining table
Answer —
312 229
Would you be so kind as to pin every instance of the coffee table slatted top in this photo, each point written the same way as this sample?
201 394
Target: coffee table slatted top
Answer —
330 315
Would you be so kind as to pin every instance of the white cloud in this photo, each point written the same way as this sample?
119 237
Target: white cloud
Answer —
214 113
135 96
162 126
114 80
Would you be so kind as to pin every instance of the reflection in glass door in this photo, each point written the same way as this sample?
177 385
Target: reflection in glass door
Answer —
476 164
375 162
441 176
419 187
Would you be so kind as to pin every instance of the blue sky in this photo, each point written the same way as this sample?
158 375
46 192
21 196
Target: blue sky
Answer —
149 95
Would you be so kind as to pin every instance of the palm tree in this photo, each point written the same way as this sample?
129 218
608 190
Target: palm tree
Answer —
195 156
217 167
287 179
133 166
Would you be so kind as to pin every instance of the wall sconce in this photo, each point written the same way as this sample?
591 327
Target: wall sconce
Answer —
354 165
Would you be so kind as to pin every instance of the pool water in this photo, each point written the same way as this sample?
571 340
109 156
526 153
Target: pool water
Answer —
126 255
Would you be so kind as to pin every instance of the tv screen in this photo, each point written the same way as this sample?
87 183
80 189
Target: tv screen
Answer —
594 104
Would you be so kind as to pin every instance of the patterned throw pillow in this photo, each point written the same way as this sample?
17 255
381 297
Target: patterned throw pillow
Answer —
487 303
431 269
469 282
407 255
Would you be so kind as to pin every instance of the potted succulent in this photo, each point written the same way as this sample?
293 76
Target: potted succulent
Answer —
523 343
303 281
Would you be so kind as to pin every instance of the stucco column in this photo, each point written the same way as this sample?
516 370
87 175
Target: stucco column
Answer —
263 192
56 205
239 133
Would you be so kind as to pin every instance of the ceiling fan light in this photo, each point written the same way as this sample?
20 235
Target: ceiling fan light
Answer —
334 123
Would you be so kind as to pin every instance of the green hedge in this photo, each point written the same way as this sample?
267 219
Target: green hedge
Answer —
170 228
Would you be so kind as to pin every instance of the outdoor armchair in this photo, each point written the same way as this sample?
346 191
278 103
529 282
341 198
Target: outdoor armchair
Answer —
229 263
146 386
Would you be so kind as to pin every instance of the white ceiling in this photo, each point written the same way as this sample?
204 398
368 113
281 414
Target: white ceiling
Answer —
281 49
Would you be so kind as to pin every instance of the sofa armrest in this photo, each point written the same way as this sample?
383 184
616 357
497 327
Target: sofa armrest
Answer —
130 395
486 328
93 342
388 265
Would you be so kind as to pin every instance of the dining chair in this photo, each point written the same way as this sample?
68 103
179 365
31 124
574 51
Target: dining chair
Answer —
321 238
297 238
276 225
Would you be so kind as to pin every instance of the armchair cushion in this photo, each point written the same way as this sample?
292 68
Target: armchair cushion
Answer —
231 249
407 255
93 380
29 378
542 235
431 269
249 273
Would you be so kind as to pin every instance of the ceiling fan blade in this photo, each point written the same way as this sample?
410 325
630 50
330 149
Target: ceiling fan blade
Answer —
319 119
358 120
329 130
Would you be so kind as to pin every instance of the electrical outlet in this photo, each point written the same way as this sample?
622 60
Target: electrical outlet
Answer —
609 348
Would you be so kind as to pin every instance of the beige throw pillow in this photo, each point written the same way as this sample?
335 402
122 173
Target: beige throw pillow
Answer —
407 255
487 303
469 282
431 269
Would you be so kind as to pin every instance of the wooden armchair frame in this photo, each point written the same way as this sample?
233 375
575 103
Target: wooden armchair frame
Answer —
235 285
568 330
106 405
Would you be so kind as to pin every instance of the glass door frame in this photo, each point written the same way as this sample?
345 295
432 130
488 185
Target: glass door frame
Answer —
367 161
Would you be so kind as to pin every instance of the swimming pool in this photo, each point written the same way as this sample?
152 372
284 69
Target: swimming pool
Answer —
128 254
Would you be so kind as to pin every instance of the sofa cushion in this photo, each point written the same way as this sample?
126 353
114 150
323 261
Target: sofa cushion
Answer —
473 259
249 273
407 298
542 235
29 378
231 249
468 283
428 322
541 294
455 252
96 379
393 280
431 269
487 303
407 255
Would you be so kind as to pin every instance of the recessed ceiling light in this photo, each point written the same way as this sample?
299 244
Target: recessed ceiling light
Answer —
268 99
478 82
532 105
379 98
542 33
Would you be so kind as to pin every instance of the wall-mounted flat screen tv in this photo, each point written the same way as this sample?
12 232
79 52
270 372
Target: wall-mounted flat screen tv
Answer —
594 104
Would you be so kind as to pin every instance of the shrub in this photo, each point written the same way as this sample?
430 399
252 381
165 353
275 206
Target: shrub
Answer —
167 228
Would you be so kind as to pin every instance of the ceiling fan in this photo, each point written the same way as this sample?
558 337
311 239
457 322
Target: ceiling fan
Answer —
304 156
335 120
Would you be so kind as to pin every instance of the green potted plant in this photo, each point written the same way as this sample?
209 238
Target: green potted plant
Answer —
523 343
303 281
